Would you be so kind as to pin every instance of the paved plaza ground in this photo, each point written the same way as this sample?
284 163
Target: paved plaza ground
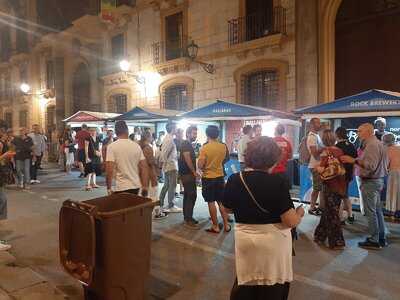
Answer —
186 264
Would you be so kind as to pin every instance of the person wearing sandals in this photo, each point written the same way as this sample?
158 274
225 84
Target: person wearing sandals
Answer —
264 214
334 191
210 164
93 159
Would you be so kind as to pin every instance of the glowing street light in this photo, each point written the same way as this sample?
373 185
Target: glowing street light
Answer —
125 65
25 88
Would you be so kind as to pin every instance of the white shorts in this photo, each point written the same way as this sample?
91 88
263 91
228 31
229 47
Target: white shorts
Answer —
69 157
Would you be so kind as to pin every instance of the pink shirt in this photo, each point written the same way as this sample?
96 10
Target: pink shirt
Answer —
394 158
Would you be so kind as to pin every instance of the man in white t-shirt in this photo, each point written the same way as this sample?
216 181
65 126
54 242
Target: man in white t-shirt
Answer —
125 159
315 147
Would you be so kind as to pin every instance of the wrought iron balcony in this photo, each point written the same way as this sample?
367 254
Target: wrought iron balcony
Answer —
166 51
256 26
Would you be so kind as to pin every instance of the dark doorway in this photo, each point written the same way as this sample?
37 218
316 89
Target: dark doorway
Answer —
81 89
367 46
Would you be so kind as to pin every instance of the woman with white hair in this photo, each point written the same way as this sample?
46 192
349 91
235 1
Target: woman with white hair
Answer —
393 183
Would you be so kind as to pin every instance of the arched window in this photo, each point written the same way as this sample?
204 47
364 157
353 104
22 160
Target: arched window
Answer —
261 88
175 97
262 83
120 103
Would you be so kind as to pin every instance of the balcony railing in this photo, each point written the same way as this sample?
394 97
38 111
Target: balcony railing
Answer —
169 50
257 26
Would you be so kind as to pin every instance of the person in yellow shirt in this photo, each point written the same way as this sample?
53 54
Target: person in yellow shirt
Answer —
211 161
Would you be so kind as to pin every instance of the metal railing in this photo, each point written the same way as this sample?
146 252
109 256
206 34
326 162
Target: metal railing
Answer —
256 26
164 51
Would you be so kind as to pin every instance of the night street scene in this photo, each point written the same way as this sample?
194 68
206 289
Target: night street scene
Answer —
199 149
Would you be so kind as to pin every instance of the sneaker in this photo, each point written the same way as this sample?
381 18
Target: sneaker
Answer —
160 216
383 243
191 225
4 246
174 209
32 181
351 220
195 221
314 212
368 244
37 181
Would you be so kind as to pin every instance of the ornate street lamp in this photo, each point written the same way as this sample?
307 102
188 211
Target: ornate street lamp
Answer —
125 66
192 51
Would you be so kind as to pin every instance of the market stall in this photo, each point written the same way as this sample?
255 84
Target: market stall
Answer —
91 118
351 112
140 117
231 117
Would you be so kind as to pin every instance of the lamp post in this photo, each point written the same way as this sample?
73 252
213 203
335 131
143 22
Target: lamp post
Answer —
192 51
125 66
25 88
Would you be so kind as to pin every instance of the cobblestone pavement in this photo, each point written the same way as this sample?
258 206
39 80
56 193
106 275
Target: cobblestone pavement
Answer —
186 264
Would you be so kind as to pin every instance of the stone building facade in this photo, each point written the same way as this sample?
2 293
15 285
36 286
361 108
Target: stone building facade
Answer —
274 53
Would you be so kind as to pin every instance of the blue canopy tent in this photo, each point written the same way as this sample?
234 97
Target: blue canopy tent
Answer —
371 103
141 114
351 112
148 117
224 110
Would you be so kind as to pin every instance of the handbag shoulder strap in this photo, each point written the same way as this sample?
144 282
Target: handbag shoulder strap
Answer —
251 195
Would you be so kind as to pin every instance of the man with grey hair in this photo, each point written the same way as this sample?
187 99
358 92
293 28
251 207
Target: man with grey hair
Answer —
373 164
380 125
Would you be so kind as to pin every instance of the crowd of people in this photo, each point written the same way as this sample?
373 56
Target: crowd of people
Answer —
20 159
258 196
333 160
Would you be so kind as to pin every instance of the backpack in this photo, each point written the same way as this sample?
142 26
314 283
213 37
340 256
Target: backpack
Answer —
304 154
333 169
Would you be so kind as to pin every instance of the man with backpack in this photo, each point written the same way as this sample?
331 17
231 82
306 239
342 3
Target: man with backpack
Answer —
315 148
348 149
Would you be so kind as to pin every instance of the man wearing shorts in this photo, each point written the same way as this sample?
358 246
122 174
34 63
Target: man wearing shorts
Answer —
315 147
81 137
212 157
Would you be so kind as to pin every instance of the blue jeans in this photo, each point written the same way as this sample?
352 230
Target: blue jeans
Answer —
23 171
169 186
3 203
371 195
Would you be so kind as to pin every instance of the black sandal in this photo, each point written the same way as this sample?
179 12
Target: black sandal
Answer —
229 230
212 230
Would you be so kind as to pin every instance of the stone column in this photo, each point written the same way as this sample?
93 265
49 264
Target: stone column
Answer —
307 53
